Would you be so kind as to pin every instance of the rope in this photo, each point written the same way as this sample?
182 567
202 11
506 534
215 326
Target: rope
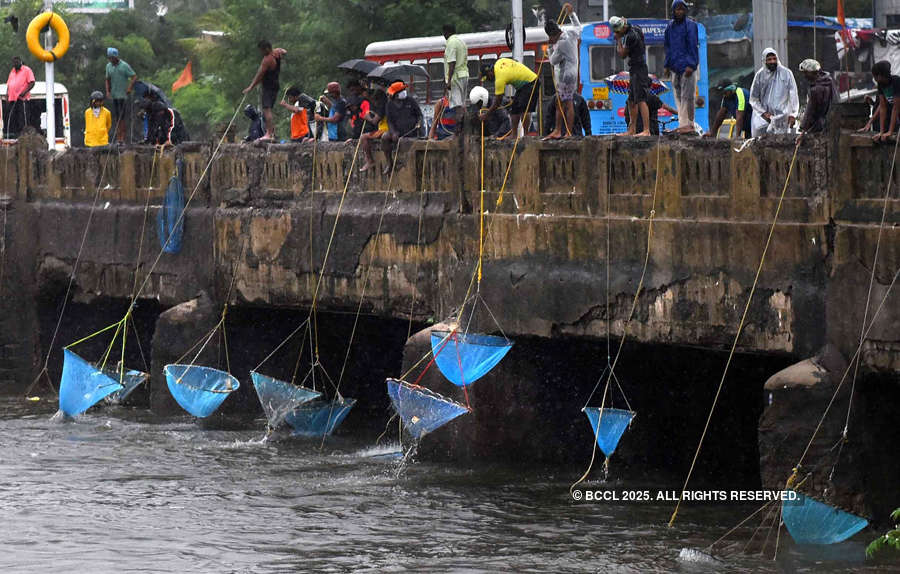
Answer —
849 366
611 367
187 203
884 210
415 281
737 335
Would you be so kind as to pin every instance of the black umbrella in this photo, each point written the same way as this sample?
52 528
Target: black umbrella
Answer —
358 65
394 72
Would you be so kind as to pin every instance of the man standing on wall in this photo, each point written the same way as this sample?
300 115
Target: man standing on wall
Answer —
682 59
630 44
456 72
18 91
267 77
773 97
120 80
564 59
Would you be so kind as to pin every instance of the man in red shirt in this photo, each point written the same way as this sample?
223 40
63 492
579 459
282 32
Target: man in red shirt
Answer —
18 91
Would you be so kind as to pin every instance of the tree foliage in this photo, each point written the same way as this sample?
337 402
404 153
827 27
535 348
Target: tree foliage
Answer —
889 542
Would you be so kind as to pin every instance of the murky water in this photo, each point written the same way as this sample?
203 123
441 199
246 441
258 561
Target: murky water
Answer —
119 491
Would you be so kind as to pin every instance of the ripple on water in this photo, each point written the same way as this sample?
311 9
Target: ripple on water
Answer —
118 491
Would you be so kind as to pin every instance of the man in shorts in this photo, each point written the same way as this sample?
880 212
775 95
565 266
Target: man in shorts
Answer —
564 58
507 71
630 44
267 77
456 72
120 80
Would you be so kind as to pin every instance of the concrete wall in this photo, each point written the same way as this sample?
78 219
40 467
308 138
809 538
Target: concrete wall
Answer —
267 213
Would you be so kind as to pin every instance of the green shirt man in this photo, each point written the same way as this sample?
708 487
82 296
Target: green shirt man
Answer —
119 76
456 67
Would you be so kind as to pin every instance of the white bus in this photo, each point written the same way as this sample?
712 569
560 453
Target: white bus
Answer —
38 105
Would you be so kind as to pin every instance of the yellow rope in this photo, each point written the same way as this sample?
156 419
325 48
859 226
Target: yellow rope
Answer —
737 335
481 212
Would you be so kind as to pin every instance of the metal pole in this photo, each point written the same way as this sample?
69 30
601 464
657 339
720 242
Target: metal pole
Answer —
815 28
50 81
606 10
518 40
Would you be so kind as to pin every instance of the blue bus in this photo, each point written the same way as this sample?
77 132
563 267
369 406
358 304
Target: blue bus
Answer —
599 60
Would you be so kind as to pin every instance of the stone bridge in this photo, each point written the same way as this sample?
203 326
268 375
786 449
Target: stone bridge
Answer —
574 219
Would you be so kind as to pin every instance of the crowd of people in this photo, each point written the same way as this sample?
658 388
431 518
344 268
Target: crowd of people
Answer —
382 112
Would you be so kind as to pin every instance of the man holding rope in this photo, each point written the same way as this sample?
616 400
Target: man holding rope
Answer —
564 58
507 71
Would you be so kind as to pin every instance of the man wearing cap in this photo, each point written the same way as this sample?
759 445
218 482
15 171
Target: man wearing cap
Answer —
507 71
120 79
97 122
456 72
735 104
822 93
18 91
335 123
404 118
564 58
630 44
267 77
682 58
773 97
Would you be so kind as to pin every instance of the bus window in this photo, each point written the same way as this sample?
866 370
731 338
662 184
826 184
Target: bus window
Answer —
603 62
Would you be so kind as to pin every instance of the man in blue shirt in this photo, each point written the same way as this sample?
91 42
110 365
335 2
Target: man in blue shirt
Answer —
682 59
735 104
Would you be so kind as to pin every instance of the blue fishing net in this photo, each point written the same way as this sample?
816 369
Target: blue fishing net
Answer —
319 418
812 522
421 410
608 428
279 398
82 385
199 390
465 358
169 222
130 382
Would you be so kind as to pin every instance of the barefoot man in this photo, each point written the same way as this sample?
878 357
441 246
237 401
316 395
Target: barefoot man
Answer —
630 44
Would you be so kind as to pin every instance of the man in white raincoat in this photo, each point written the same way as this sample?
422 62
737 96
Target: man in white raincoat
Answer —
564 58
774 97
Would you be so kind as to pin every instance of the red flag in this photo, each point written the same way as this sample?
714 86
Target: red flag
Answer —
840 14
186 77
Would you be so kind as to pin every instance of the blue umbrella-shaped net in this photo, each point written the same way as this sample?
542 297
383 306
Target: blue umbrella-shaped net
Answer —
319 418
609 425
465 358
812 522
421 410
199 390
279 398
83 385
130 381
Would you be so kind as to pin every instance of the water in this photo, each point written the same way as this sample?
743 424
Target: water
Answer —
119 491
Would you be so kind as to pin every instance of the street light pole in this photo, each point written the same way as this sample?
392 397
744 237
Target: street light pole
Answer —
517 27
50 85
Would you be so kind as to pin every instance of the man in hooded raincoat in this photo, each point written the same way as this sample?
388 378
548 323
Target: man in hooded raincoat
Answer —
773 97
564 58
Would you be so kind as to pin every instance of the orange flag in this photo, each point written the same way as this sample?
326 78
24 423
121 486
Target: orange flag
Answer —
186 77
840 14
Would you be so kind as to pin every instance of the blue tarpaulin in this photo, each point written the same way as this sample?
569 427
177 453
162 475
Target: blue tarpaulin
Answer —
465 358
169 220
812 522
421 410
199 390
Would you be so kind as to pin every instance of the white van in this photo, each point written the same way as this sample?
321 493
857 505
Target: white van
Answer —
38 105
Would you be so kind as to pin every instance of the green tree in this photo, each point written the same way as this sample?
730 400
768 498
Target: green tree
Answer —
889 542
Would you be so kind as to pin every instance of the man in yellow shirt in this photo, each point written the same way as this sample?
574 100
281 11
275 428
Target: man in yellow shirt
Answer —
97 121
507 71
